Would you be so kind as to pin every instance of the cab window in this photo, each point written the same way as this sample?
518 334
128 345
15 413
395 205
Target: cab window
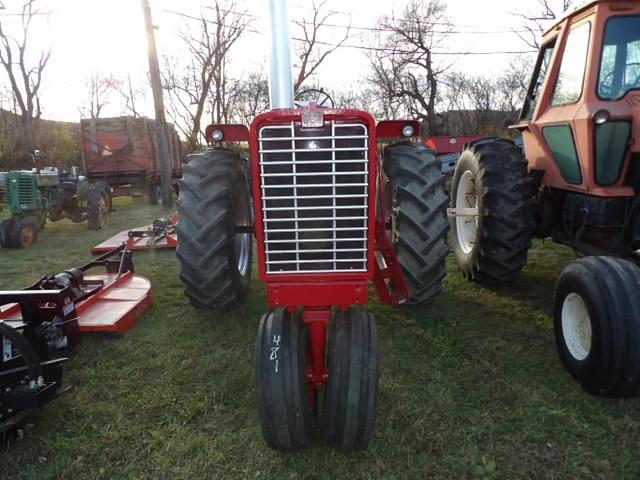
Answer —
537 80
568 88
620 59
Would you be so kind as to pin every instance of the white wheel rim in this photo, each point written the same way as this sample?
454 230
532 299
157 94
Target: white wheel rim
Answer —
466 197
576 326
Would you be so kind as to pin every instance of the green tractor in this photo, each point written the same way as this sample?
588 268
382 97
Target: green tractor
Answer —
34 195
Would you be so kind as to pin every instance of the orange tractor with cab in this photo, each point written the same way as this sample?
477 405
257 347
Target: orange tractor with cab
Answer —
576 180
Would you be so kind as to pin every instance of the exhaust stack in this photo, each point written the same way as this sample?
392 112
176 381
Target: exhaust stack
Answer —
281 79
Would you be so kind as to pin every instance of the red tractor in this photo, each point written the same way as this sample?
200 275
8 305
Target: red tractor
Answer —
576 180
332 210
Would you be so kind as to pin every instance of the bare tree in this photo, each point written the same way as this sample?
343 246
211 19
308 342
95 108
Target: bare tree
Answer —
25 78
483 105
131 94
512 85
100 89
310 50
404 68
202 83
249 97
536 22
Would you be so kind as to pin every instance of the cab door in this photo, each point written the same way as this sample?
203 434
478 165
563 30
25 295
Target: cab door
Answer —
557 123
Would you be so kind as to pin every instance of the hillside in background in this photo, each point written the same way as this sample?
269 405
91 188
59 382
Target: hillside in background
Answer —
57 141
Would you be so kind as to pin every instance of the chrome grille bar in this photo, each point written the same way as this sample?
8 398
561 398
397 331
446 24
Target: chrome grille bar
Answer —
314 185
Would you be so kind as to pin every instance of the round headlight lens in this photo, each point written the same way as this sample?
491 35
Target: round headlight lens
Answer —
408 131
600 117
216 135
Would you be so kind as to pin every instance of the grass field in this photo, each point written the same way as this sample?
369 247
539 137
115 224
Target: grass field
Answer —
471 387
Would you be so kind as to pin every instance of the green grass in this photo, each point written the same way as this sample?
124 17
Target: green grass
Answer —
471 387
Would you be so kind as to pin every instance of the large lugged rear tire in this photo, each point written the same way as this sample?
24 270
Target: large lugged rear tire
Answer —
418 217
215 262
98 206
491 246
284 409
352 392
6 228
597 324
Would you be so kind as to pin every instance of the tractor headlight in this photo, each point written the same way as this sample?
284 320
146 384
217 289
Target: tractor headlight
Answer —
407 131
601 117
217 135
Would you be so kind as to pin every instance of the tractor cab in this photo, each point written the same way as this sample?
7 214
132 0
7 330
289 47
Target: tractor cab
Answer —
581 119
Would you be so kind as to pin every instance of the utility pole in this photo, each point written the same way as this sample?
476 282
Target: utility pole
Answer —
156 86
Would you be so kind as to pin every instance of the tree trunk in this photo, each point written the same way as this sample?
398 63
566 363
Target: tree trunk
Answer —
27 137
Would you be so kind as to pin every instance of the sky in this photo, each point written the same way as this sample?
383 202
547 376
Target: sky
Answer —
108 36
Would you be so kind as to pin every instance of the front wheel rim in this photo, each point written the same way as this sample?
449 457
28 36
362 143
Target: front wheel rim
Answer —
576 326
466 197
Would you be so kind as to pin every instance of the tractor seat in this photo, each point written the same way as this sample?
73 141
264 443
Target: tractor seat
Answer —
69 185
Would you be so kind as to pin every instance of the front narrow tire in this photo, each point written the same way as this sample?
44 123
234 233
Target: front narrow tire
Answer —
284 409
352 392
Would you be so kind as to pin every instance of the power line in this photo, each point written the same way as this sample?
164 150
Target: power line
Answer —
391 30
26 14
367 48
387 29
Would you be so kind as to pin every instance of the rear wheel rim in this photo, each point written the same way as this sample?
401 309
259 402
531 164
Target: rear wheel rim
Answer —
466 197
576 326
27 235
242 241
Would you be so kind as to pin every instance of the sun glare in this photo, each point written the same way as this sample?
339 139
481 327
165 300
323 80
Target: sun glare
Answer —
88 37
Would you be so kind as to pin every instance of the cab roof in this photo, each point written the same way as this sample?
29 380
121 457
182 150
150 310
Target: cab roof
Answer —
575 10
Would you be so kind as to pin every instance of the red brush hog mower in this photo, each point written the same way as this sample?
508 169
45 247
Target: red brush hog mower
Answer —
38 322
334 209
160 234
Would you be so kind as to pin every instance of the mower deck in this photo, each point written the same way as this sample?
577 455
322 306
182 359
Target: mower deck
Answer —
115 308
157 235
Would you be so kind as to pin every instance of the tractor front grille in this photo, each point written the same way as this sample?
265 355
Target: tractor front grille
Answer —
21 191
314 185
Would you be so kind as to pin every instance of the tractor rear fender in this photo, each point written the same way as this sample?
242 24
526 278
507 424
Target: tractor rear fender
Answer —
215 134
396 129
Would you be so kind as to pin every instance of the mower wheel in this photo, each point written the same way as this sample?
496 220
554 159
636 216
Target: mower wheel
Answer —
215 261
419 225
23 234
6 227
98 206
491 239
352 393
284 409
597 324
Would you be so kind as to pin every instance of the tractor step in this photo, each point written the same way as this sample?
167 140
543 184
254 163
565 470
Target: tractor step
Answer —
389 280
